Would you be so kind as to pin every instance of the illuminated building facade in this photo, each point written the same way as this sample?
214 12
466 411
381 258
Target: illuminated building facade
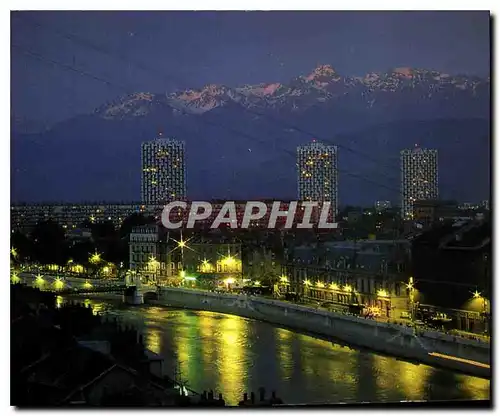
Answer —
144 251
163 171
218 260
366 273
156 256
419 178
317 171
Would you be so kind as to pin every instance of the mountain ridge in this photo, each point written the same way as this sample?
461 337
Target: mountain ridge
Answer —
241 144
322 85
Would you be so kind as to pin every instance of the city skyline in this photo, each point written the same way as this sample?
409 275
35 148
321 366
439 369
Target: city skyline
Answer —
86 81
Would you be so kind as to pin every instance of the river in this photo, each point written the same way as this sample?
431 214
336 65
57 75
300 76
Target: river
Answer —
233 355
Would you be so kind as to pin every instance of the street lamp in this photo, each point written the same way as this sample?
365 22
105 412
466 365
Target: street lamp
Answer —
478 295
15 278
39 280
58 283
95 258
153 265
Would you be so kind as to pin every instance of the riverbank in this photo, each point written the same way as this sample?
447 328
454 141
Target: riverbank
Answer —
234 355
367 335
434 349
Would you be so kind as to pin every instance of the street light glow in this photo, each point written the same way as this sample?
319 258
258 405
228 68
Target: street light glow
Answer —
13 251
228 260
15 278
205 266
382 293
347 288
283 279
95 258
320 284
334 286
58 283
307 282
39 279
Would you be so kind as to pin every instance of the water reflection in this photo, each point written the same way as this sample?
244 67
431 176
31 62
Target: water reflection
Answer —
471 387
207 327
153 339
412 380
233 355
231 364
285 356
182 347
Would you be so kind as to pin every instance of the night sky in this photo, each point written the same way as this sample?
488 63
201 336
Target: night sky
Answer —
192 49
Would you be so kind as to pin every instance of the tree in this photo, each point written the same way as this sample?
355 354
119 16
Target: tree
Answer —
79 252
22 247
49 243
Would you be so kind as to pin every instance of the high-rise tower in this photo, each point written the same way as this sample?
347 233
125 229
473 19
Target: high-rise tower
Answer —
419 178
318 173
163 171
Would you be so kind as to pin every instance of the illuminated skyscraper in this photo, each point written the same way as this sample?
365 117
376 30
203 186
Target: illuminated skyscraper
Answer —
318 173
419 178
163 171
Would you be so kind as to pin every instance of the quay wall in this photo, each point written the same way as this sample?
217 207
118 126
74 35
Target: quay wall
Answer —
392 339
464 355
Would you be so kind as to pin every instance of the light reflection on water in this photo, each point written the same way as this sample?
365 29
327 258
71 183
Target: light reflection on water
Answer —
233 355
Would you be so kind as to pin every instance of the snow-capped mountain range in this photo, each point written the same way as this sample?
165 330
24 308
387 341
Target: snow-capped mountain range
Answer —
241 141
322 85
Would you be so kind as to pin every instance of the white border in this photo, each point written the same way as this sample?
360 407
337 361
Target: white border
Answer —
185 5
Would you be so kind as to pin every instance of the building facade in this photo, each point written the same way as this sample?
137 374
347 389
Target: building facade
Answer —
419 178
163 171
452 269
219 261
317 174
369 274
149 255
156 257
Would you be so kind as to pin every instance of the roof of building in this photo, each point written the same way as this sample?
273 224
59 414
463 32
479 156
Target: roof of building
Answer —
472 237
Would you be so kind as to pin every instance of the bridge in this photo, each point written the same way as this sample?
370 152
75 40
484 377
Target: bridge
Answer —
97 289
132 288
